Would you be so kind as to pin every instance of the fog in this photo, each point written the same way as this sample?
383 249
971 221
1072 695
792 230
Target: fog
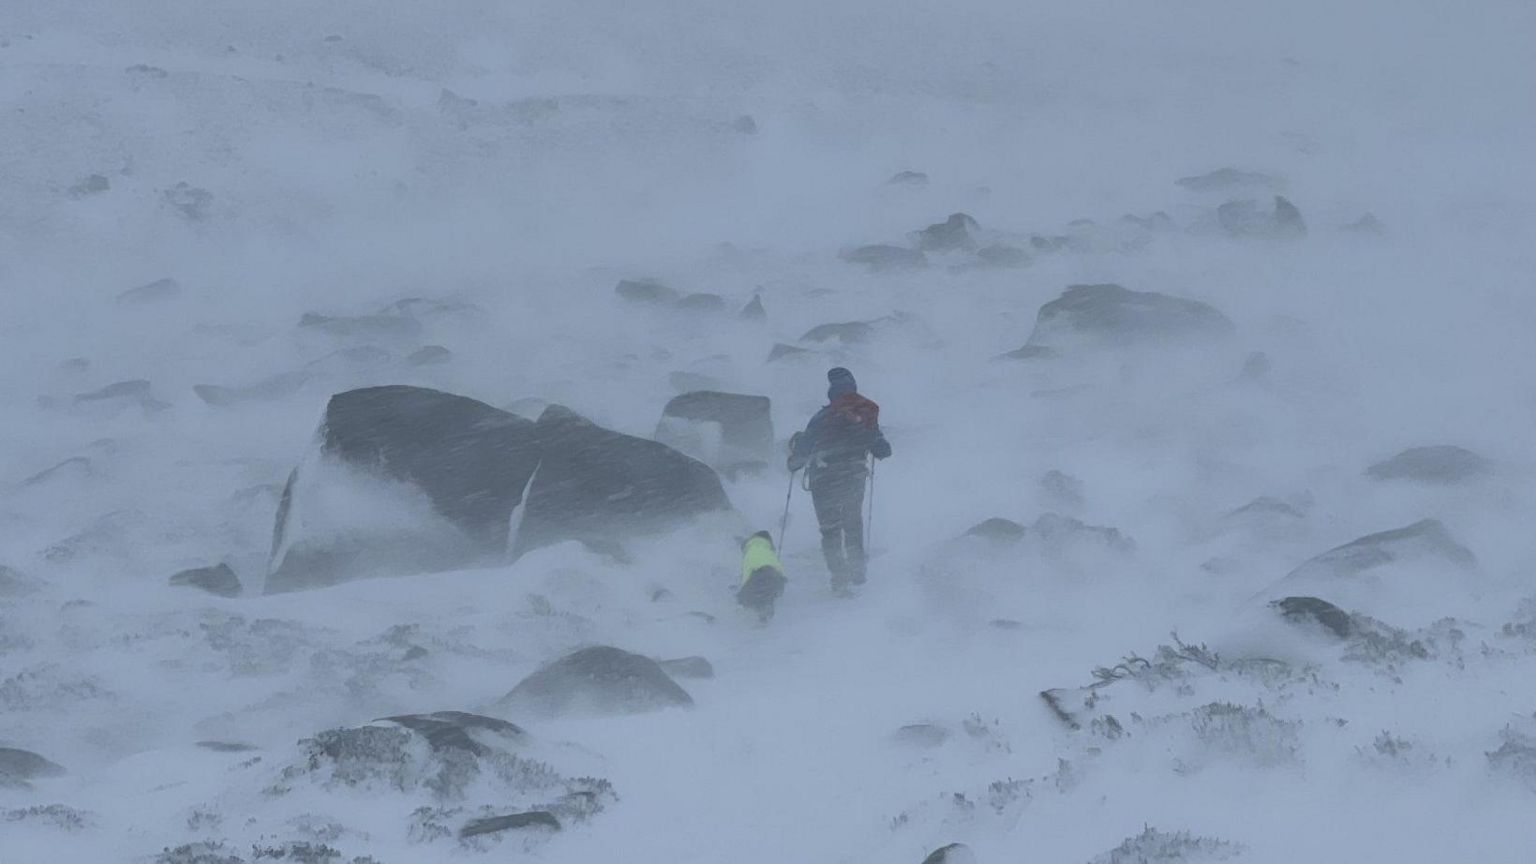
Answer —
239 197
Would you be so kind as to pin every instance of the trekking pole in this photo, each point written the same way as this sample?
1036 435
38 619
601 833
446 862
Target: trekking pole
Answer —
869 519
784 520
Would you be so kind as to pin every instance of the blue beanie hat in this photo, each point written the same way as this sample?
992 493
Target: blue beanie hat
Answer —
841 381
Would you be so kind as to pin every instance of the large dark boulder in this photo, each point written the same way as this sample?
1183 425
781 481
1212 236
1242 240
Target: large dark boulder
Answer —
1440 464
725 430
1113 315
476 465
472 460
593 483
596 681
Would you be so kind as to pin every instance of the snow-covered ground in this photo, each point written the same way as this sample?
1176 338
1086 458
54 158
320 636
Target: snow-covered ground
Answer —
516 160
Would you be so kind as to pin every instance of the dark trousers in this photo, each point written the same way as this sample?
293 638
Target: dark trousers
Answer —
837 490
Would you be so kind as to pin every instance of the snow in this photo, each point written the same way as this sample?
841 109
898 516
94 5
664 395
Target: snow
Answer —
517 161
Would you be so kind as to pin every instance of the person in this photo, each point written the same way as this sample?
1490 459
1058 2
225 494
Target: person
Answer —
835 449
762 576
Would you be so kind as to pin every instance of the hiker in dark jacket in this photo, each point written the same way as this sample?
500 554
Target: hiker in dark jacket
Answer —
835 449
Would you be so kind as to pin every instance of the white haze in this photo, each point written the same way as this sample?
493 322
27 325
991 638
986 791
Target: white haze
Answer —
604 145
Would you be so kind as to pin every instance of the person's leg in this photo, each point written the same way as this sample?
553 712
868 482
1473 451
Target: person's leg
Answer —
853 528
829 517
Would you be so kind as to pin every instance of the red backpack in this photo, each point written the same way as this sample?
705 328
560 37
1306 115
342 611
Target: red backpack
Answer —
853 408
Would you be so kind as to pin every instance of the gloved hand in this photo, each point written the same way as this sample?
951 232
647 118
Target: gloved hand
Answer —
795 462
882 449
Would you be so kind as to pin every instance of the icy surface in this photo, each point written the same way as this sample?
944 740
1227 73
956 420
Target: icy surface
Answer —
215 215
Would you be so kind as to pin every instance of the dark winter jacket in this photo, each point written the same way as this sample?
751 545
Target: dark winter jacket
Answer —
845 431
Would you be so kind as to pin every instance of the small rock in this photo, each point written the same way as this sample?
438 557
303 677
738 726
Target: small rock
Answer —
1320 612
137 389
688 667
219 579
1157 222
78 467
450 730
19 766
1058 532
848 332
702 303
1255 368
1029 352
531 819
1053 243
598 680
745 125
95 184
273 389
780 351
151 292
1425 539
75 366
1226 180
1367 225
998 530
1266 506
754 310
1116 316
951 234
1002 256
911 179
954 853
1441 464
644 291
885 258
431 355
925 735
1062 489
190 201
362 326
144 70
226 746
1245 219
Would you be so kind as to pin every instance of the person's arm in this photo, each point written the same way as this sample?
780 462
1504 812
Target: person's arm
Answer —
880 448
803 444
